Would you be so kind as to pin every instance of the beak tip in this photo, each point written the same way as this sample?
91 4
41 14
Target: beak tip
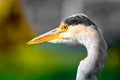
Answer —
30 42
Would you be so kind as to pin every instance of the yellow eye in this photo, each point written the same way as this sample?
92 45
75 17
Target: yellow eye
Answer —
63 28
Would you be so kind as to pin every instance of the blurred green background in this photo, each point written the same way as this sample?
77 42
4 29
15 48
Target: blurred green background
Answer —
46 61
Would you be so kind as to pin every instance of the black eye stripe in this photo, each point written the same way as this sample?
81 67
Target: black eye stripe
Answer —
72 20
78 20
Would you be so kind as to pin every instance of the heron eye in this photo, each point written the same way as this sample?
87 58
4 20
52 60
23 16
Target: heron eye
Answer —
63 28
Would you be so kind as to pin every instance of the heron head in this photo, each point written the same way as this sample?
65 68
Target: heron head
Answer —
68 31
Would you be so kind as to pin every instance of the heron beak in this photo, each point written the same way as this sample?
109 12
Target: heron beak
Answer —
51 35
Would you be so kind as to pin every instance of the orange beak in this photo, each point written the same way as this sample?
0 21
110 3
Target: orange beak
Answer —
51 35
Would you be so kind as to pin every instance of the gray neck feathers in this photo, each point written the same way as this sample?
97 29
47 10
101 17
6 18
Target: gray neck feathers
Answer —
89 68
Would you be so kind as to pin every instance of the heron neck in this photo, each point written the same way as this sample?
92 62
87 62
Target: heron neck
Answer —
89 68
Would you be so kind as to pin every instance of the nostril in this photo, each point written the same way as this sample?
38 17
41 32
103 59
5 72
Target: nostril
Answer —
54 30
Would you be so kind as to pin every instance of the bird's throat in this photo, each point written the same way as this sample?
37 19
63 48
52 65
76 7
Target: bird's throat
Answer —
89 68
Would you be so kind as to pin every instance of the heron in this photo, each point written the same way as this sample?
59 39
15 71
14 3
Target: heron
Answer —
79 29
